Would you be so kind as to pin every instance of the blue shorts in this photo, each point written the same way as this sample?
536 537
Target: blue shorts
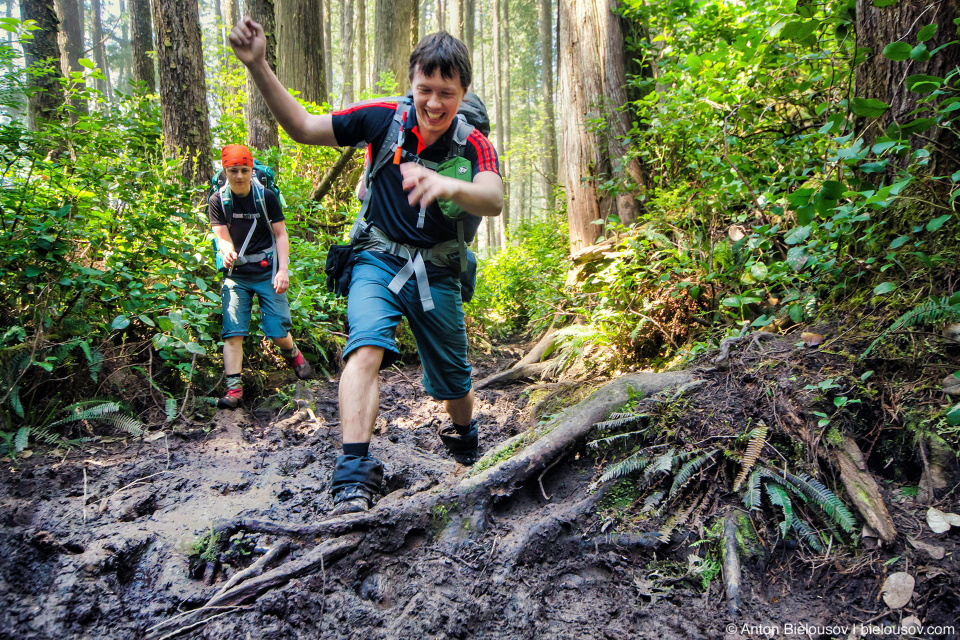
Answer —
236 295
373 312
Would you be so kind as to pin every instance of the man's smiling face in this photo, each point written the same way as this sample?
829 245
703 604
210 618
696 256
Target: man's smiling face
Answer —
436 100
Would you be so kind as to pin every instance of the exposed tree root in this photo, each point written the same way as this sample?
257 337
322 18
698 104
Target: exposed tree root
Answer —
452 512
940 472
863 490
722 361
528 367
731 565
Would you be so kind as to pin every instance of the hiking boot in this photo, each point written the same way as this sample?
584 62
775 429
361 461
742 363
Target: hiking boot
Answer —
232 400
463 447
356 481
300 366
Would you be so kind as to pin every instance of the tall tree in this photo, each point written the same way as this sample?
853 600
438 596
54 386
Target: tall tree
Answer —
126 65
455 23
262 131
592 80
183 86
505 58
327 20
396 28
363 82
300 48
883 78
71 47
499 110
546 85
347 28
99 50
469 8
439 10
141 42
42 53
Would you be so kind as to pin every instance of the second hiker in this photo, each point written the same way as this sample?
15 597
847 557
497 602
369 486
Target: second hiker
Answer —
254 250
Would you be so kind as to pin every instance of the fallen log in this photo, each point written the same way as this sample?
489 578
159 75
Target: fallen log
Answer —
528 367
326 183
863 490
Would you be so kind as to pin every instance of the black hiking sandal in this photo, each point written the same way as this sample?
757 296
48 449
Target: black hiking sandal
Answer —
300 366
463 447
351 499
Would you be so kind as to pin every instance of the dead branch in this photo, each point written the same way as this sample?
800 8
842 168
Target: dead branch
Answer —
722 361
327 182
528 367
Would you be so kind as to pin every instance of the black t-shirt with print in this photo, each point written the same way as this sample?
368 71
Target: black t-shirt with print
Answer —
239 225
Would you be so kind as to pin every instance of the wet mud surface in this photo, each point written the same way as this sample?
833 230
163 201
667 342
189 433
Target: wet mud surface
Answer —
98 545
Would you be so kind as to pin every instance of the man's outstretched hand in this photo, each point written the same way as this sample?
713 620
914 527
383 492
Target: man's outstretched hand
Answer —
248 41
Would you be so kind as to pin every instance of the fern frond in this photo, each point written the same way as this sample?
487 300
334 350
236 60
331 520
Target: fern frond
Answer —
129 424
21 439
171 409
779 496
757 440
611 439
78 412
929 312
15 402
652 501
808 535
688 470
663 463
823 498
636 462
620 421
751 496
678 519
44 433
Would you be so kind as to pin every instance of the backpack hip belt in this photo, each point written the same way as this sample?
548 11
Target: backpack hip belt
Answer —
439 254
253 257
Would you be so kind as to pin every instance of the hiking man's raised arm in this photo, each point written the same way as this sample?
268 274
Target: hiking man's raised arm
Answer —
249 45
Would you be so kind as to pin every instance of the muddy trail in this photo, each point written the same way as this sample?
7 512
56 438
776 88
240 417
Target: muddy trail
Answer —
115 542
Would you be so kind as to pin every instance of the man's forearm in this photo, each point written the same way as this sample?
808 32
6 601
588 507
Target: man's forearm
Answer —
480 199
300 125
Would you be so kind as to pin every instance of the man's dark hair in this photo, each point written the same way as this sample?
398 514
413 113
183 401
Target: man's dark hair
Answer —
445 52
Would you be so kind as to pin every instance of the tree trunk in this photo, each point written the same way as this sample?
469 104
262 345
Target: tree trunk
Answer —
879 77
223 42
395 31
466 17
42 52
505 161
347 27
549 125
141 43
71 49
362 80
592 78
300 48
183 86
262 132
499 240
100 52
455 9
441 11
327 20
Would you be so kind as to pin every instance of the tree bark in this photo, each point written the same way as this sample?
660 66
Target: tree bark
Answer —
396 28
363 82
347 27
455 9
71 49
327 21
300 48
504 161
183 86
262 131
467 19
592 74
546 84
879 77
141 42
499 240
99 51
43 54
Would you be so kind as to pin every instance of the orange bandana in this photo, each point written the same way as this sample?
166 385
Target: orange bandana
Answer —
236 155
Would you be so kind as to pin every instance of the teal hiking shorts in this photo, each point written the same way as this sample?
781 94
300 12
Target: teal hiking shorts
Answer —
373 312
236 296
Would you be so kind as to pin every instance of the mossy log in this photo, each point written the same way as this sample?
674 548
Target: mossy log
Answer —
863 490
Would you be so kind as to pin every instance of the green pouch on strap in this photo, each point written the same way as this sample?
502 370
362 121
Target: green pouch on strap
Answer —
461 169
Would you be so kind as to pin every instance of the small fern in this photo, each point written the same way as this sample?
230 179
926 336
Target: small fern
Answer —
127 423
779 497
929 312
171 409
757 440
596 444
687 471
808 535
652 501
663 464
752 496
618 420
21 439
103 411
823 498
636 462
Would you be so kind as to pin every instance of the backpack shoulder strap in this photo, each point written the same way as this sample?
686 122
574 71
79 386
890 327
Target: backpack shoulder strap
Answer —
459 140
260 201
226 201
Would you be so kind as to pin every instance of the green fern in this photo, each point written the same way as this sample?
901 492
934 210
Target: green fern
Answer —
652 501
779 497
663 464
127 423
687 471
758 437
21 439
808 535
929 312
823 498
618 420
636 462
612 439
171 409
103 411
752 496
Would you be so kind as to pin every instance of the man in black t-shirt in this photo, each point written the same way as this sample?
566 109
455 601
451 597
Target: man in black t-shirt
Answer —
250 245
412 210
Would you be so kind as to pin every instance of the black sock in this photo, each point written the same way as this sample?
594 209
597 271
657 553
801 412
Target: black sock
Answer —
463 430
360 449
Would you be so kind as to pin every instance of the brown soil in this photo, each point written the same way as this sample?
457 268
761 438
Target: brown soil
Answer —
98 544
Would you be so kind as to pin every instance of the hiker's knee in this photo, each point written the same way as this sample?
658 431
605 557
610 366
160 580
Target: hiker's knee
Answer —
365 359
